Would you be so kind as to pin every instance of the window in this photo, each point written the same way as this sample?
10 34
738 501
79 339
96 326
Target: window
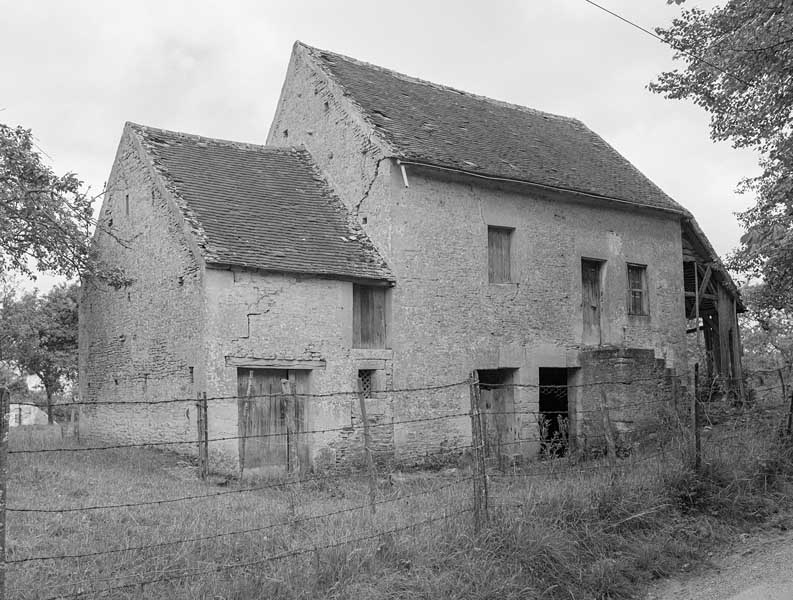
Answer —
365 387
126 204
638 301
498 254
368 316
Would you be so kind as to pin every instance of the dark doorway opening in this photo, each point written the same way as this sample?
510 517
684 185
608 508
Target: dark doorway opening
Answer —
554 418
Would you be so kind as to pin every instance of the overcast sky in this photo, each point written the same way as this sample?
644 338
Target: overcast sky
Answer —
75 71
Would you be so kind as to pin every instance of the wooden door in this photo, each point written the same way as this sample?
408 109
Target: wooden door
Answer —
496 406
261 417
590 301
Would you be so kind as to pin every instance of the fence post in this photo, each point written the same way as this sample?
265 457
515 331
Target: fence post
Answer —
367 446
478 472
5 407
695 420
203 435
292 459
611 446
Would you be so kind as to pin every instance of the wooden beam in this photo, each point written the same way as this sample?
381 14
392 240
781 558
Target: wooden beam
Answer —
705 281
273 363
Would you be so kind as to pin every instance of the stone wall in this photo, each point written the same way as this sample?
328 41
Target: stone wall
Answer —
140 342
447 320
290 322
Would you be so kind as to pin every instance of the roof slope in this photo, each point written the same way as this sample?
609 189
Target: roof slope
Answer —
445 127
261 207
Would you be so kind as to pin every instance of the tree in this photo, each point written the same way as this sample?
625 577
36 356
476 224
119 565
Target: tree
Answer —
39 336
739 60
45 220
767 332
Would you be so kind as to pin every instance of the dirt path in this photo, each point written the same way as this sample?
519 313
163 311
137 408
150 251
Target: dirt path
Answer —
760 567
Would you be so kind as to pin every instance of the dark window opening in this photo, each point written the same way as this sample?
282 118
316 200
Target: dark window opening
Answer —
365 379
192 378
638 300
126 204
499 242
368 316
554 417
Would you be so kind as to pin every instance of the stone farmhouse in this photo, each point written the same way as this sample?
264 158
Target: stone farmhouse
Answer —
392 234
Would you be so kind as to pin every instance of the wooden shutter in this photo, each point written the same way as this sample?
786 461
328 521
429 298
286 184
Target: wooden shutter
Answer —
368 316
498 254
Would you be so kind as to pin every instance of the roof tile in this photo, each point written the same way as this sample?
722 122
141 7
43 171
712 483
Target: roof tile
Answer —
442 126
262 207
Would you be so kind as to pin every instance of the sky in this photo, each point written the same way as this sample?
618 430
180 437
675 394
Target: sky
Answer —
74 71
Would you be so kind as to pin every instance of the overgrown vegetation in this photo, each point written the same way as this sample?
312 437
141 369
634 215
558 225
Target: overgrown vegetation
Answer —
559 529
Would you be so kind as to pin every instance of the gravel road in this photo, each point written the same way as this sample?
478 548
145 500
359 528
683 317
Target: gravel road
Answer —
760 567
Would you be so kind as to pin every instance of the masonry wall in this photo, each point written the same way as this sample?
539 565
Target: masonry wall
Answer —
291 322
447 320
139 342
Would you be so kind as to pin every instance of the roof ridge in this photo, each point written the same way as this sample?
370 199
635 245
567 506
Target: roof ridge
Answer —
140 128
446 88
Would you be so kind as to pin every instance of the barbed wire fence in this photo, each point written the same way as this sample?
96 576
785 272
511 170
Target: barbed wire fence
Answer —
482 455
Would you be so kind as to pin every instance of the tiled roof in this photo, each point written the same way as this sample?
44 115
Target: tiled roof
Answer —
438 125
261 207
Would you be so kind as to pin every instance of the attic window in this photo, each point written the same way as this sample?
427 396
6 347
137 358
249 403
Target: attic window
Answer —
286 133
382 114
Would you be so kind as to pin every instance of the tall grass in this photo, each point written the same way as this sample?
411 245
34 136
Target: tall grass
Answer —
558 529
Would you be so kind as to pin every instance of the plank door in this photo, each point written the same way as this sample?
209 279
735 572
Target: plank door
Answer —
590 301
496 405
262 417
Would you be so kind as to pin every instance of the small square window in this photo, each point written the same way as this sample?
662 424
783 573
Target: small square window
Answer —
365 378
638 297
499 242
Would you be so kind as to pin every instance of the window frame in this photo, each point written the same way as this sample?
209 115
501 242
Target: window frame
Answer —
499 275
376 298
644 290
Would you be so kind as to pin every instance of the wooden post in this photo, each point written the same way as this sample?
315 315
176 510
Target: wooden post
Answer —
478 472
611 446
5 407
695 420
292 459
203 435
245 405
367 445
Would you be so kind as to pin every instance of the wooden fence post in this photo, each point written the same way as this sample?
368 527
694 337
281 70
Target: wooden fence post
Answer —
203 435
292 458
292 454
695 420
367 445
5 407
608 432
478 471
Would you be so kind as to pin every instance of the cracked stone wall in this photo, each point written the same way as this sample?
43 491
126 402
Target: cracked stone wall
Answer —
139 342
447 319
299 322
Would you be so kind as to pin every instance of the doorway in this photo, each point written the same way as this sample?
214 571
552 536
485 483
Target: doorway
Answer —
591 301
262 418
554 417
497 407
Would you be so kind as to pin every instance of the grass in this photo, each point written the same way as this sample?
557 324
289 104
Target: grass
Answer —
558 529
